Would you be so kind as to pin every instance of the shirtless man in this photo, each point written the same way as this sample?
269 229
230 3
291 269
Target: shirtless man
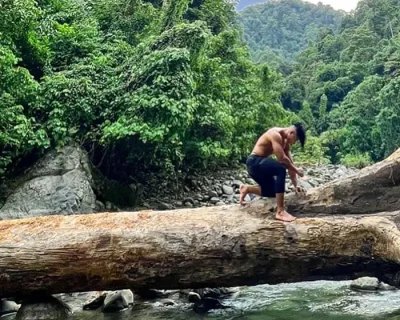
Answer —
264 169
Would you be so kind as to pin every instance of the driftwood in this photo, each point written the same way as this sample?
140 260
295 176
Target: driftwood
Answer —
212 247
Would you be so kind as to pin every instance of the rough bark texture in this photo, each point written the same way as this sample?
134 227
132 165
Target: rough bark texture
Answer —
374 189
211 247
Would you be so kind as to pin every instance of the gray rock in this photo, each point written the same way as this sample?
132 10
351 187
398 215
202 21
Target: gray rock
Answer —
168 302
213 194
178 203
59 183
227 189
365 284
194 297
220 203
189 205
237 183
109 205
164 206
100 207
150 293
214 200
118 300
305 184
385 287
188 200
95 303
49 308
7 307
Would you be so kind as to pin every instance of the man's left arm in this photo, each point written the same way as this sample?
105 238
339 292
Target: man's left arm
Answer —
292 174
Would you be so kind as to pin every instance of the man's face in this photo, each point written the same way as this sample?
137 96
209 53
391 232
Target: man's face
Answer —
292 137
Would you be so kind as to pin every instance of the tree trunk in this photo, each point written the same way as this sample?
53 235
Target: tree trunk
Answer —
374 189
210 247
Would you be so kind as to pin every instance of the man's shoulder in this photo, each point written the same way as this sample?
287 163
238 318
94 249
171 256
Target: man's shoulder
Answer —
274 134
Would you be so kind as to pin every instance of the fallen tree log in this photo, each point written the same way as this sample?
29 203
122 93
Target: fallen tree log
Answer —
374 189
194 248
209 247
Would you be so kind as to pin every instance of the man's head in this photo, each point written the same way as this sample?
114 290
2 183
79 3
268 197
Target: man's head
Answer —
296 133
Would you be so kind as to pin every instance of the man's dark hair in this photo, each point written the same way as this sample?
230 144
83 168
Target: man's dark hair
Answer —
301 133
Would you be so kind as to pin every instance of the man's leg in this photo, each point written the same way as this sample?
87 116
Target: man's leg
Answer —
246 189
281 214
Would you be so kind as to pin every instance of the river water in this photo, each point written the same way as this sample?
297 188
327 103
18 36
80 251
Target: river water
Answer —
308 300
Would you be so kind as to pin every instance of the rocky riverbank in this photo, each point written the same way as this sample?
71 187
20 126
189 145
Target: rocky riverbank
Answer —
222 187
65 182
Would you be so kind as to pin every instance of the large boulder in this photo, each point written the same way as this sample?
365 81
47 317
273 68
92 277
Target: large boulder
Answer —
8 307
59 183
118 300
370 284
43 308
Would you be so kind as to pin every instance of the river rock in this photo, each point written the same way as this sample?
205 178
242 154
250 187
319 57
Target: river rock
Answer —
213 194
208 304
150 293
118 300
188 200
48 308
7 307
59 183
194 297
96 303
227 189
385 287
214 200
164 206
365 284
236 183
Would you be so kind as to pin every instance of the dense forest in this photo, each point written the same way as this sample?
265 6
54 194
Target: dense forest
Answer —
170 84
139 84
241 4
346 86
277 31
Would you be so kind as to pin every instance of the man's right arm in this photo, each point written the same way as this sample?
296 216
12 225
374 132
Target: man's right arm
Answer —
276 141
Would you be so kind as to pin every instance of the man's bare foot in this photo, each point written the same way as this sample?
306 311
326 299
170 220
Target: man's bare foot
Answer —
282 215
243 193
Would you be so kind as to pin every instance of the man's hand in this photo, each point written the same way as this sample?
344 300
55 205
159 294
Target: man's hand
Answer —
300 190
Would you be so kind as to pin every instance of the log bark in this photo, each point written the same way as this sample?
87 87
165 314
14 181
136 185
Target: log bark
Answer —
211 247
374 189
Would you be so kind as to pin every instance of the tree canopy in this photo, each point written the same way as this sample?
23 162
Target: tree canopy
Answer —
346 85
276 31
138 83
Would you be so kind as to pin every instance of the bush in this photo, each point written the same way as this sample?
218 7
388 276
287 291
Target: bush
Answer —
356 160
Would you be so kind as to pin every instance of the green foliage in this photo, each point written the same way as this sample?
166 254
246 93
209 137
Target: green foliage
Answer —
350 84
358 160
314 151
141 84
18 132
284 28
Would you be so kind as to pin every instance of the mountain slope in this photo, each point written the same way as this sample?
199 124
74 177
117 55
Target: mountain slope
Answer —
280 29
245 3
347 85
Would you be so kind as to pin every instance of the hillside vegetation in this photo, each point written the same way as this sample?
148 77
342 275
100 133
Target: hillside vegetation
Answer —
347 88
277 31
140 84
